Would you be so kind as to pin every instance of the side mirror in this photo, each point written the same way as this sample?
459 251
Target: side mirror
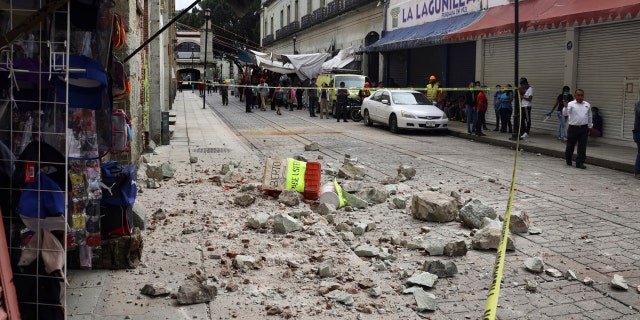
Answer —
385 101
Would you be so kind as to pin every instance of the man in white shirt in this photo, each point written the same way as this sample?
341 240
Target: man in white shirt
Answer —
527 98
580 121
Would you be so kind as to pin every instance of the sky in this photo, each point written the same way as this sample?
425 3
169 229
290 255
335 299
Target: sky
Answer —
181 4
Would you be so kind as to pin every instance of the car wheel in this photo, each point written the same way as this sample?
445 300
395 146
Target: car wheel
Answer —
393 124
367 119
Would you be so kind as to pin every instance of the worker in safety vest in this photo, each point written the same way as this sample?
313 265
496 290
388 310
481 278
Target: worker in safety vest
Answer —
433 92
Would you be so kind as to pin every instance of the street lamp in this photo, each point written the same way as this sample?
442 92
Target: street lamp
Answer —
192 86
207 16
294 44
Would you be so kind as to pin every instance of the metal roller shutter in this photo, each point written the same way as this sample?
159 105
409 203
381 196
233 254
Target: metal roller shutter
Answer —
607 55
397 68
424 62
541 62
462 64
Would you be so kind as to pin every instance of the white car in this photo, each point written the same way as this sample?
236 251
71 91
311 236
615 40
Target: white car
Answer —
403 109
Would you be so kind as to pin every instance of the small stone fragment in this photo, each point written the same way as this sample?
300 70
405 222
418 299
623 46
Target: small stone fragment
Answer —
534 264
587 281
570 275
531 286
619 283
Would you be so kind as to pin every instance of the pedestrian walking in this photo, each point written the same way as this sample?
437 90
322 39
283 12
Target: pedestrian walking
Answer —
277 97
580 120
312 93
506 109
324 101
342 97
263 91
224 93
248 97
481 107
636 138
559 106
527 97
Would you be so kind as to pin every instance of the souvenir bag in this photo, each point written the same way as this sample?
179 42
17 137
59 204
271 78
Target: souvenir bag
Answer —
118 184
122 133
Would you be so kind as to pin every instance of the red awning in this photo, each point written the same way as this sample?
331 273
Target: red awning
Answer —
548 14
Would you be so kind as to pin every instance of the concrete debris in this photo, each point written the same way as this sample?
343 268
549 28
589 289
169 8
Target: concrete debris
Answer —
244 262
455 248
259 220
534 230
406 172
341 297
473 213
531 285
156 289
139 215
618 282
366 250
375 292
399 203
159 215
519 222
351 186
290 198
313 146
553 272
425 301
570 275
244 200
283 223
443 269
325 209
352 171
375 195
489 238
587 281
534 264
192 292
416 243
325 269
355 201
193 159
435 247
434 207
423 279
165 170
347 236
388 180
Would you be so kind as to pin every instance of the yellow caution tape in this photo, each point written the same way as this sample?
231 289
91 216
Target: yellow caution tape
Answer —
491 307
295 175
339 192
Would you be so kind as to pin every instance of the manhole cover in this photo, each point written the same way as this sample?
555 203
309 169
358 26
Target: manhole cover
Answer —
211 150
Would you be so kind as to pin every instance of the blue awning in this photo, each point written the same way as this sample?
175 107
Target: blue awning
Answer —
423 35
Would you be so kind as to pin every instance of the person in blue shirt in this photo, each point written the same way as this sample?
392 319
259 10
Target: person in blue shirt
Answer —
506 108
497 105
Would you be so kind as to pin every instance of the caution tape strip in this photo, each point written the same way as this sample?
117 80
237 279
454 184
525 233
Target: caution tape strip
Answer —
491 306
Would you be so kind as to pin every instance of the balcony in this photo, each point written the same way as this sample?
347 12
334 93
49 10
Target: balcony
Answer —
294 27
267 40
319 15
306 21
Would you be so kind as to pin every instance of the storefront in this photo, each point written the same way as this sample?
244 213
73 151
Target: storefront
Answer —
588 45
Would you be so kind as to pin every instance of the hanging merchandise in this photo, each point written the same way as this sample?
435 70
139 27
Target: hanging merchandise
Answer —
122 132
119 186
89 110
121 87
119 36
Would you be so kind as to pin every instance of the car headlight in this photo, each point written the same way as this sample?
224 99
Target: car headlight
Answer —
407 114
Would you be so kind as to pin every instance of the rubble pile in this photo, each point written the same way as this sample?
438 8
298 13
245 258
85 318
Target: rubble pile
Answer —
395 248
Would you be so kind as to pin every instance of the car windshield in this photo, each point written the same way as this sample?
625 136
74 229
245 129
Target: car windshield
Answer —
410 98
350 81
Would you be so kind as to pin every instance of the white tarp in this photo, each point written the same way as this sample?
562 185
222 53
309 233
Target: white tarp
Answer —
307 65
275 65
343 58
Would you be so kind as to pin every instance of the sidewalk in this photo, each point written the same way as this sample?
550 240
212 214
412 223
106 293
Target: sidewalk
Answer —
602 152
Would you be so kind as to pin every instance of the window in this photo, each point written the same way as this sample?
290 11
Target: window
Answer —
281 19
271 26
309 7
296 14
288 14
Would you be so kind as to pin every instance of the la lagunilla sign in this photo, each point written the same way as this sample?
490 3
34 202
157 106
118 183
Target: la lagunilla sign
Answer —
409 13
